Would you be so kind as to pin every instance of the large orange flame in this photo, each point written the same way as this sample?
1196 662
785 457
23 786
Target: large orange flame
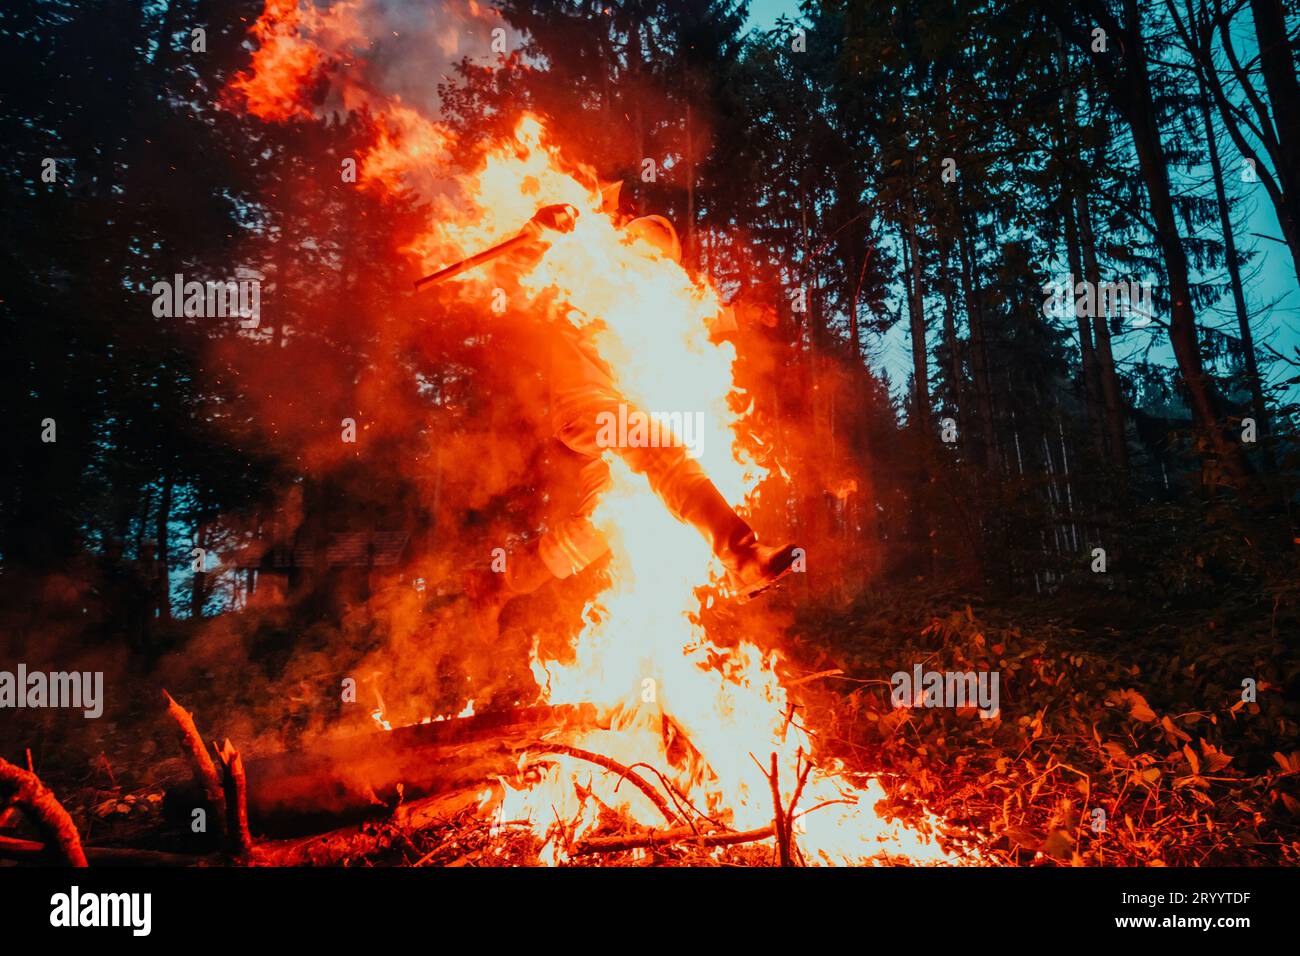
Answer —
642 655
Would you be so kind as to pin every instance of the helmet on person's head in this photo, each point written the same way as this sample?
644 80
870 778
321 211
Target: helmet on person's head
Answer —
659 232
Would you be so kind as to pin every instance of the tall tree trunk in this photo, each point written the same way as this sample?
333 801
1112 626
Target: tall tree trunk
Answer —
919 422
1264 125
1087 354
1278 67
634 64
1111 392
1131 96
164 517
689 252
1068 140
950 336
143 575
855 348
199 579
1183 333
978 345
916 311
1234 278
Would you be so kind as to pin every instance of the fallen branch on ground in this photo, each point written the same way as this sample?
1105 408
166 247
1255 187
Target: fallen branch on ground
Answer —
39 804
659 838
32 851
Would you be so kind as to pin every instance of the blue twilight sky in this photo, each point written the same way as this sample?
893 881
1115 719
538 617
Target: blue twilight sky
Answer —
1269 278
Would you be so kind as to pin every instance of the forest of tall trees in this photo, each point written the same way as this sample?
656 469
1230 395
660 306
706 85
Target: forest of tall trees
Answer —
916 172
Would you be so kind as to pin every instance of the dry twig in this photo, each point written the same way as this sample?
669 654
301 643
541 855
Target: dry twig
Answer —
778 821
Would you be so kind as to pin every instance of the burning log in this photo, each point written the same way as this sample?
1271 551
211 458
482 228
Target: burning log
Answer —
448 815
44 810
348 779
205 772
687 834
661 838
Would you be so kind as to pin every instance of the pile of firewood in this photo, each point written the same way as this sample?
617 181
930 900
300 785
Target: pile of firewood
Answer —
410 796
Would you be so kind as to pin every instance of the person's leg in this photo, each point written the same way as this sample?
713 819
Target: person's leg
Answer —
570 544
573 543
680 483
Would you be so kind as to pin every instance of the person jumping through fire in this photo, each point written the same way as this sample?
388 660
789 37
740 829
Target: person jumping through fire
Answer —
583 395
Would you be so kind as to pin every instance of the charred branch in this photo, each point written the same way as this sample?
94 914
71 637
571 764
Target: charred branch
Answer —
235 787
663 838
205 772
40 806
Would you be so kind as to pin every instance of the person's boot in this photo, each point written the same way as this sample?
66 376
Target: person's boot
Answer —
751 567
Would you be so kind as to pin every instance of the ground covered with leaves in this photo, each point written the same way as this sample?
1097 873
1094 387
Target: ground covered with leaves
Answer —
1127 734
